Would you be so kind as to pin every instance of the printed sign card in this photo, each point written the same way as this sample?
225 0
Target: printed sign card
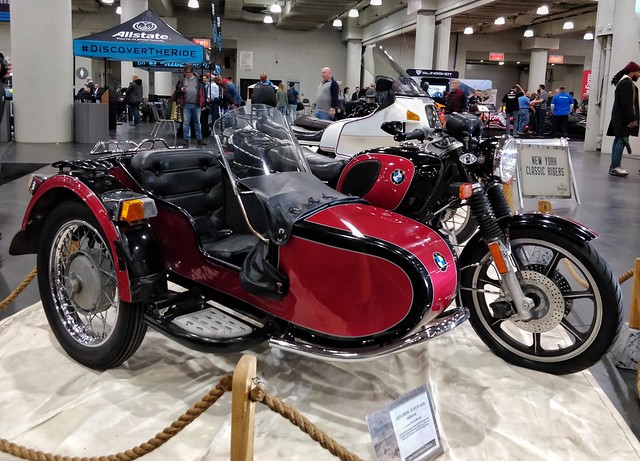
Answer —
406 430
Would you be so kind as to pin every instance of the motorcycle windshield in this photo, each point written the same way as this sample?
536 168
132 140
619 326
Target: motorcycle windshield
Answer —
380 64
255 140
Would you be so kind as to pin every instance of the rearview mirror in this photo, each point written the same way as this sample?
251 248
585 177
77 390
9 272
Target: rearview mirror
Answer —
392 128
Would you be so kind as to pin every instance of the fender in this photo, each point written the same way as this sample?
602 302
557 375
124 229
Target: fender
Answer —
566 227
138 267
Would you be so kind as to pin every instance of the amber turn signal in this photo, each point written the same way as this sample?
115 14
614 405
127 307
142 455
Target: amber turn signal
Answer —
413 116
132 210
496 254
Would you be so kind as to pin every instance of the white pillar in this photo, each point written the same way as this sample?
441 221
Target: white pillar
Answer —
43 108
131 9
537 69
425 33
163 83
354 58
443 39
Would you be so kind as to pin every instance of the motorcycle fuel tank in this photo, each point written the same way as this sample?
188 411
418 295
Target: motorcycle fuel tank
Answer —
358 271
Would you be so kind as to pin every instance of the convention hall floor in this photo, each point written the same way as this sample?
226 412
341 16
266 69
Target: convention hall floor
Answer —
609 206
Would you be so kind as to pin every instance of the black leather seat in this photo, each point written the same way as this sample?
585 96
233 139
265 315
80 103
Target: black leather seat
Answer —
192 179
325 168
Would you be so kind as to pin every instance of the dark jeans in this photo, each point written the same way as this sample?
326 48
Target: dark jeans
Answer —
541 115
560 125
616 152
134 111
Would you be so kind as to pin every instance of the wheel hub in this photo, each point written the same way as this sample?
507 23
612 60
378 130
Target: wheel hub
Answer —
85 281
550 304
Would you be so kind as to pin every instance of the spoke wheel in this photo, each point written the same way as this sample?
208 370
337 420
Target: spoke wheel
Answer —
460 222
578 302
79 291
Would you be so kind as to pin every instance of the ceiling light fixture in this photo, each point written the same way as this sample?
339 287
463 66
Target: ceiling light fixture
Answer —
528 33
268 19
353 13
337 22
119 10
107 2
544 9
567 25
468 30
275 8
588 36
499 21
501 63
193 4
375 3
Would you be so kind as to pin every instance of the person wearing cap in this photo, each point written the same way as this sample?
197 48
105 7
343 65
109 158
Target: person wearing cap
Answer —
624 115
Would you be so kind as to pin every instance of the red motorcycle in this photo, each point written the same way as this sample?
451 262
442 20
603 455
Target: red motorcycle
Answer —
262 249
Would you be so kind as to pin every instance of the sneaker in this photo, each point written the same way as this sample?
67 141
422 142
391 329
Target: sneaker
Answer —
202 142
618 171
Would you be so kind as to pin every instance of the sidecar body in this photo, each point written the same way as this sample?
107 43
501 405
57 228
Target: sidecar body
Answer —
221 262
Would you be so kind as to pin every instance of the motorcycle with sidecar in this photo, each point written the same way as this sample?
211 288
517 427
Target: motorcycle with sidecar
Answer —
223 251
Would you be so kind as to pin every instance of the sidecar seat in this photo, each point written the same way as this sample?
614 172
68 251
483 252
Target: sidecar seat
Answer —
193 180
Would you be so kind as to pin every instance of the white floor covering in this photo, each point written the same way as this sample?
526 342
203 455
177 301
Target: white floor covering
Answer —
485 408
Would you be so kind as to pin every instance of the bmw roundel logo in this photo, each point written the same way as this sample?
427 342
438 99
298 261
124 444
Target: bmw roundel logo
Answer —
397 177
440 261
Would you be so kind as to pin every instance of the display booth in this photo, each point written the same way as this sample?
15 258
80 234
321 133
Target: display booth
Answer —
144 38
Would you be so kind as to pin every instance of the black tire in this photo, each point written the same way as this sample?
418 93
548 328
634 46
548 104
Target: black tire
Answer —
578 324
79 291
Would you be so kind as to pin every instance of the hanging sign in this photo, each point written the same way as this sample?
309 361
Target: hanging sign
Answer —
586 82
496 56
433 73
556 59
206 42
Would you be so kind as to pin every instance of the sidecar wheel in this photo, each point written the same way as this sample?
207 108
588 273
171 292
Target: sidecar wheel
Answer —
79 291
463 224
578 303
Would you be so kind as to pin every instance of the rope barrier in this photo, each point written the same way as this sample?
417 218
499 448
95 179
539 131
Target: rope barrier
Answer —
15 293
224 385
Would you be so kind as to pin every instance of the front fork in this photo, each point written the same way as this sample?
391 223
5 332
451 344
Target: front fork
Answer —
489 205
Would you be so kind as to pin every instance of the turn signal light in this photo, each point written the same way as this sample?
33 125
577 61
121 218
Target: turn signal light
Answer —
413 116
496 254
466 190
137 209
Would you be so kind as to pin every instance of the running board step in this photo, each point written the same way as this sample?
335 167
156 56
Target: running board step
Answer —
199 326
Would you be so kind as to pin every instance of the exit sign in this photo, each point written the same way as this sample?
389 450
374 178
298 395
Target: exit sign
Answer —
496 56
206 42
556 59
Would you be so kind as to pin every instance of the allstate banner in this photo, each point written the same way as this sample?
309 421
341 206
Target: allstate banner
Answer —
143 38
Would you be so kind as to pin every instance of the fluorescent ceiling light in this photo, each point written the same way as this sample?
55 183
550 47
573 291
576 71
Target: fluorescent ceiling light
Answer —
107 2
588 36
193 4
528 33
567 25
353 13
337 22
275 8
468 30
375 2
268 19
119 10
544 9
499 21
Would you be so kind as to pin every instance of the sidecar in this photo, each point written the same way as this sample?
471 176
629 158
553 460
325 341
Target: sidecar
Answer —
223 251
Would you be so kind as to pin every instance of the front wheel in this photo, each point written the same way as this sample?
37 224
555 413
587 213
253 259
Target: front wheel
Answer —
578 302
460 222
79 291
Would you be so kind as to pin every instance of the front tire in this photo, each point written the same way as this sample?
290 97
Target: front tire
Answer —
578 302
79 291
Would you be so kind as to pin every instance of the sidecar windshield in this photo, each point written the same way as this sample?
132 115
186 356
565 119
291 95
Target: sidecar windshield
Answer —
379 63
255 140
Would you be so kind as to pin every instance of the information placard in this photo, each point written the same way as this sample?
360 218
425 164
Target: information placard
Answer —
406 430
545 169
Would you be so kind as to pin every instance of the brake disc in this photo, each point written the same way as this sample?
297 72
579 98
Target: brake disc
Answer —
550 304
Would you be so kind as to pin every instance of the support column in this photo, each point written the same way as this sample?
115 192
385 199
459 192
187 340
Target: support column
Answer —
44 39
425 38
131 9
537 69
162 81
352 34
443 40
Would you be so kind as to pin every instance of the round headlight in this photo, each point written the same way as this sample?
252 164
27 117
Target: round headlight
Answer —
505 159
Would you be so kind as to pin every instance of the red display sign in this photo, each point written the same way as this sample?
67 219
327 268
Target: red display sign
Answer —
496 56
586 82
206 42
556 59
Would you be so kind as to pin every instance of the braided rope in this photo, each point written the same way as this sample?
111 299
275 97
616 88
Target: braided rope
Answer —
15 293
224 385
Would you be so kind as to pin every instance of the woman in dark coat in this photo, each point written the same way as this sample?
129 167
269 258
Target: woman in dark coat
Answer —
624 115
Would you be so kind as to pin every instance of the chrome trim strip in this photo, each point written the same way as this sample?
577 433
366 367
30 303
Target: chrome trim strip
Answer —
439 326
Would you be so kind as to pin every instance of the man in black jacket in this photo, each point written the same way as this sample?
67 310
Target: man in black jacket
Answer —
624 115
510 101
